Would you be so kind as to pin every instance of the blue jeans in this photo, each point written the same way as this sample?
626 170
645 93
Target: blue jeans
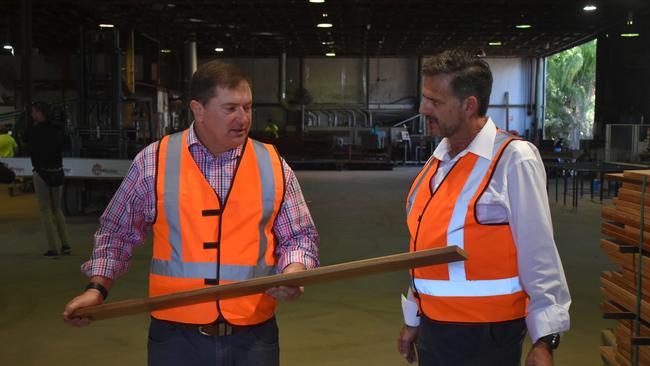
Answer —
470 344
172 344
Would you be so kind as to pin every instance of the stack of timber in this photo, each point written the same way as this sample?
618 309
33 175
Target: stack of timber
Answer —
621 226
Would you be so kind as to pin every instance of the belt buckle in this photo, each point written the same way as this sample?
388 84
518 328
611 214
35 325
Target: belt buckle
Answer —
222 329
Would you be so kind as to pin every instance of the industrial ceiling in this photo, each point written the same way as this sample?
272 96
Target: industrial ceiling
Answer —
359 27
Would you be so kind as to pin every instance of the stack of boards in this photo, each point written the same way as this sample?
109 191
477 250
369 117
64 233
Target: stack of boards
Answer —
621 228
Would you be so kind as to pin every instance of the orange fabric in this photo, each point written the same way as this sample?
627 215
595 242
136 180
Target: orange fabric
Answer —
236 229
491 248
479 309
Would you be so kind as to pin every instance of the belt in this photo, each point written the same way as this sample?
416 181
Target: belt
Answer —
219 328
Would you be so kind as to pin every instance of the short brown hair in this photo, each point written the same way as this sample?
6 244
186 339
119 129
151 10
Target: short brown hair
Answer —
211 75
471 75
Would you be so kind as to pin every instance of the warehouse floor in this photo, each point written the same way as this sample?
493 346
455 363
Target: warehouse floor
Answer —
355 322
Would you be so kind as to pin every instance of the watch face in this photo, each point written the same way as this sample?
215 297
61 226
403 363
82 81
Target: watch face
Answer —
553 340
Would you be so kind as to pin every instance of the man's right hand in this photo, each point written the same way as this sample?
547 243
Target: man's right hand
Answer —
406 343
89 298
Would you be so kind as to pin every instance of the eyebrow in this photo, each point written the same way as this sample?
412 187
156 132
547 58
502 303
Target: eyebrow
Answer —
235 104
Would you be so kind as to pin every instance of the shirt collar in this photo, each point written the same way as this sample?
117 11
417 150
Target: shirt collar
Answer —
482 145
193 140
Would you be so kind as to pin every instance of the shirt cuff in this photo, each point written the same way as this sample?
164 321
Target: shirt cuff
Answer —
410 310
542 322
103 267
296 256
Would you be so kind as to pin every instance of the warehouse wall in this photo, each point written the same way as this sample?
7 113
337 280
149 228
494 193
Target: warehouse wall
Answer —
390 81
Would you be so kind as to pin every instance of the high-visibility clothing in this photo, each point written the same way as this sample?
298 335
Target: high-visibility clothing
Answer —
198 242
486 287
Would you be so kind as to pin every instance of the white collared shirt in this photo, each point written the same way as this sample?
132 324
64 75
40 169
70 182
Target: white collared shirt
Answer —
517 195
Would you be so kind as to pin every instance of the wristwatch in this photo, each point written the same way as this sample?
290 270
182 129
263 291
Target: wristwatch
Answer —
551 340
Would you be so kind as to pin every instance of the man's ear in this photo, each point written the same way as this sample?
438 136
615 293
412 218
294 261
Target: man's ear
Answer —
471 105
197 110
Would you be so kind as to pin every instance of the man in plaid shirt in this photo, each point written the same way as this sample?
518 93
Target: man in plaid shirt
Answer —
217 142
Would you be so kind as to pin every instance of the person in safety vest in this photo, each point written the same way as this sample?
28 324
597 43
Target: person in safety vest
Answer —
222 208
483 190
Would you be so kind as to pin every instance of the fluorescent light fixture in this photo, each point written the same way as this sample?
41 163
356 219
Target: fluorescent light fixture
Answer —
630 34
497 43
106 26
330 54
523 26
317 1
218 49
165 50
590 7
8 47
324 25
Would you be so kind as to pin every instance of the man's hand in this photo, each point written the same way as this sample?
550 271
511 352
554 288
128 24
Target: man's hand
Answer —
89 298
540 355
406 343
288 293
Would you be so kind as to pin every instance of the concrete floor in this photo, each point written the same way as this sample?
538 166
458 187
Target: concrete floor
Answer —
356 322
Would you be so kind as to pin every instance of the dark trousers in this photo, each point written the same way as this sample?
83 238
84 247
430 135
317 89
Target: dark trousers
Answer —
471 344
172 345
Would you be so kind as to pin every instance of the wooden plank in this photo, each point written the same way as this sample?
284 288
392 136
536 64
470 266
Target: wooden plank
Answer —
621 295
608 355
636 175
623 234
623 333
636 207
629 195
626 217
607 337
260 284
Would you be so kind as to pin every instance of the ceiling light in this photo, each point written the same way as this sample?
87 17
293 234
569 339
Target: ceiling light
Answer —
523 26
8 47
196 20
106 26
218 49
317 1
630 35
590 7
165 50
324 15
324 25
326 43
330 54
495 43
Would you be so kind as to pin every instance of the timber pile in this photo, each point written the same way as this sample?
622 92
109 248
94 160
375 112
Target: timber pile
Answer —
621 225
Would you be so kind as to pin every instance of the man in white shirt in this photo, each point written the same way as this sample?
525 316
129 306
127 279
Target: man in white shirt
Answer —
482 190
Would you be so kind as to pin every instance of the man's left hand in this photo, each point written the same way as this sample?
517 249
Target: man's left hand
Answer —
288 293
540 355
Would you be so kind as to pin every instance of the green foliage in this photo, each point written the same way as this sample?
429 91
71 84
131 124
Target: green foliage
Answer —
570 94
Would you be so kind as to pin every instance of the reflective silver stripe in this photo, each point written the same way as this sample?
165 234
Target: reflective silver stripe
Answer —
505 286
456 228
172 187
411 198
203 270
265 167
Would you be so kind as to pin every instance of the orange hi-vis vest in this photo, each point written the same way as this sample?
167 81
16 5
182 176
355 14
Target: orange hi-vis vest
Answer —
486 287
198 242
